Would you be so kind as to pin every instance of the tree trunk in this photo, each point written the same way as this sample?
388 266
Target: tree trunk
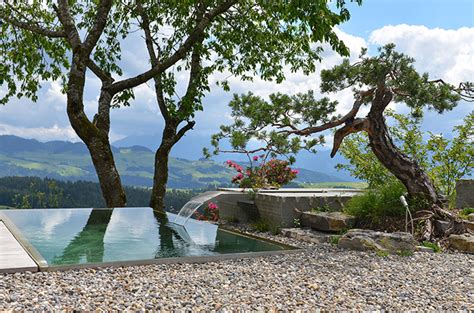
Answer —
95 134
109 178
160 178
417 182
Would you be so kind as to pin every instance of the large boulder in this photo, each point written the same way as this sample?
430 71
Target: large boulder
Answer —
464 242
327 221
365 239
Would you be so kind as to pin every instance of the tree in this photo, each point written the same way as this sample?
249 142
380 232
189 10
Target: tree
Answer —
249 38
44 41
444 160
376 82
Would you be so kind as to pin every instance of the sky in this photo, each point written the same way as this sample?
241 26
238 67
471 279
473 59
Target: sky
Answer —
439 34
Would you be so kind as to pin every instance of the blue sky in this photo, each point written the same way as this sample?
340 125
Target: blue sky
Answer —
374 14
438 33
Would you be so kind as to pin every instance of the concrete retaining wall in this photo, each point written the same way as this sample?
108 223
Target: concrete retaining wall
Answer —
465 193
279 209
231 208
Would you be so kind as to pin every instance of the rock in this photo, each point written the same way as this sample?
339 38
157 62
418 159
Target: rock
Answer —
365 239
305 234
327 221
470 217
441 226
464 242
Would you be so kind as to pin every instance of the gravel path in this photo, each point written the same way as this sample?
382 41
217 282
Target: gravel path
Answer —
321 277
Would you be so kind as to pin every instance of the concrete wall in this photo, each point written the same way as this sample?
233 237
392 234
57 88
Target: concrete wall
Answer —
465 193
279 209
231 208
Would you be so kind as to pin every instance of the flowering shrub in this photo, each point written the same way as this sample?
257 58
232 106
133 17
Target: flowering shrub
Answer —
210 213
273 173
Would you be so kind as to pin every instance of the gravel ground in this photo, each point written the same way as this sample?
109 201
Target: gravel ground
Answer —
320 277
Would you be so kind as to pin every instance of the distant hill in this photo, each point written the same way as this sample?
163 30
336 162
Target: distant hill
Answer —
190 147
34 192
71 161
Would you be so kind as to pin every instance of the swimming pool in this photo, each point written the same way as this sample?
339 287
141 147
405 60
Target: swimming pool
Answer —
64 237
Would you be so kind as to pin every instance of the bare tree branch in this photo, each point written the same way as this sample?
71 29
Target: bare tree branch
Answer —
65 18
100 22
189 125
334 123
464 90
358 125
99 72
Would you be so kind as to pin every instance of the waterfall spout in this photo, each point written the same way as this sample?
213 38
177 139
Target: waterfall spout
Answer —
193 205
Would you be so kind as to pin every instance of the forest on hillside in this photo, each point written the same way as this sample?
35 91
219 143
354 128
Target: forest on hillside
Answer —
34 192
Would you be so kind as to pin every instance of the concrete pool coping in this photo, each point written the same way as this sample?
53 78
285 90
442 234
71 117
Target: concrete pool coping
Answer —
43 265
13 257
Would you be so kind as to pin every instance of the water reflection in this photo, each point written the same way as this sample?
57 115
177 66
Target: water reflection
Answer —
165 234
88 245
124 234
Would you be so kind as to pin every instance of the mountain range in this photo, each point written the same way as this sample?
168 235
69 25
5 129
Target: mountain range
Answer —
190 148
71 161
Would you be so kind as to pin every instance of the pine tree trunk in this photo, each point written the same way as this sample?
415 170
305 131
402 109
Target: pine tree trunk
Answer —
408 171
416 181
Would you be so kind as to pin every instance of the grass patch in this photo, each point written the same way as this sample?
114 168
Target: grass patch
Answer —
377 204
432 246
465 212
334 240
263 226
405 253
324 208
382 253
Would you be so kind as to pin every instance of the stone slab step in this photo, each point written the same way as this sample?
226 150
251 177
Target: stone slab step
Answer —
327 221
306 235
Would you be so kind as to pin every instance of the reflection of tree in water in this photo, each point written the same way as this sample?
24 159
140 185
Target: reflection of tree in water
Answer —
89 243
167 245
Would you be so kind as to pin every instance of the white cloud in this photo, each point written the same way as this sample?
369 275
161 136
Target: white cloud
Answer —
41 133
444 53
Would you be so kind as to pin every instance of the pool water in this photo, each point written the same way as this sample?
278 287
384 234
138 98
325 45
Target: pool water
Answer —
79 236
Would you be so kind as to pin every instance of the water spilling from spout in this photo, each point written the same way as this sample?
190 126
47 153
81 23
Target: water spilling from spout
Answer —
193 205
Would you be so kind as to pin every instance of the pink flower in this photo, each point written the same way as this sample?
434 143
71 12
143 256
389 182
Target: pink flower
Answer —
228 162
255 158
239 176
212 206
295 171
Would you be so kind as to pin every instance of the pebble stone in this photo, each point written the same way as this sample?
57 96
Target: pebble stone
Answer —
320 277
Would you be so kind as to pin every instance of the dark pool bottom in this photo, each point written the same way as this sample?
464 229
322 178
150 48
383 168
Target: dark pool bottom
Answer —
65 237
